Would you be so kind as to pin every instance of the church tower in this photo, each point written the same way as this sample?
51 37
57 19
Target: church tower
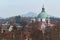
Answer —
44 19
43 15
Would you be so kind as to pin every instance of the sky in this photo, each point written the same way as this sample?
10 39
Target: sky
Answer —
10 8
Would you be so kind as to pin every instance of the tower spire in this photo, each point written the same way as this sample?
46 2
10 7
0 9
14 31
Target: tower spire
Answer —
43 9
43 5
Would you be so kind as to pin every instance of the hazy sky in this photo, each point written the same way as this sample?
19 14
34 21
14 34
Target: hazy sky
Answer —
10 8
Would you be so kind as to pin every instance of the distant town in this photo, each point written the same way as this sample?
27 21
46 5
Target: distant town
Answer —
40 27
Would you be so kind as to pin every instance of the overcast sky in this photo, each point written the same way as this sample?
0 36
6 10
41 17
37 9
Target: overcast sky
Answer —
10 8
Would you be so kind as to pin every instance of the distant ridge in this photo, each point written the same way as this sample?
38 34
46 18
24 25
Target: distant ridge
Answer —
29 14
1 18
